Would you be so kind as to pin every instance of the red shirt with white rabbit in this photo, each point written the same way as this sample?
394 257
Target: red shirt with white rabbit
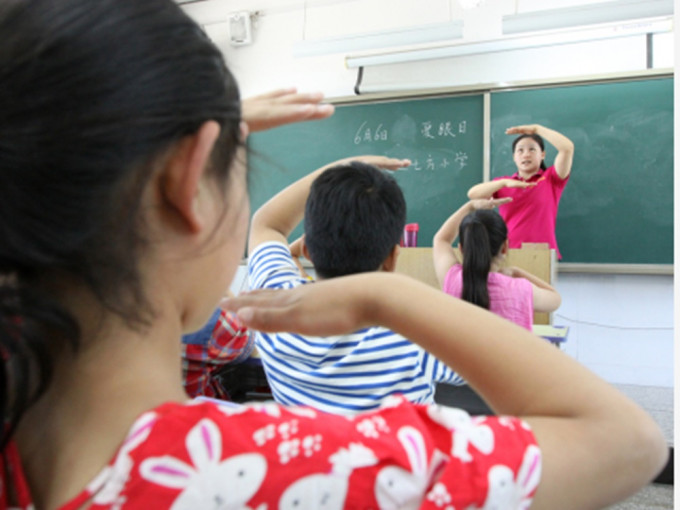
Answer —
264 456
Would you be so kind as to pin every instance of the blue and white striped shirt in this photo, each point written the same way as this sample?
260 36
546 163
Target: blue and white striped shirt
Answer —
339 374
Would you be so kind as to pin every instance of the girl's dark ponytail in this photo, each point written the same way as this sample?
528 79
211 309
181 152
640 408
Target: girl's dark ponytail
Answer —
482 234
477 257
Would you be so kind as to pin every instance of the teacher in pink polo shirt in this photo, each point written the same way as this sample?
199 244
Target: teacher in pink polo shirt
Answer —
534 189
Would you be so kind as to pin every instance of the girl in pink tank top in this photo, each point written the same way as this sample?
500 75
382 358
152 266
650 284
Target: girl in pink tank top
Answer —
479 275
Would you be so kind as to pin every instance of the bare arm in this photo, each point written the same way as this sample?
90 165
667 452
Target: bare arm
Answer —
296 247
545 296
487 189
597 445
443 254
276 218
564 146
296 252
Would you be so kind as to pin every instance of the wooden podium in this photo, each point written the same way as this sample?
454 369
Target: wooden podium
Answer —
537 259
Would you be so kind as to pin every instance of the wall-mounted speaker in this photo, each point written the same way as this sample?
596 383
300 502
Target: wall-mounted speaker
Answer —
240 30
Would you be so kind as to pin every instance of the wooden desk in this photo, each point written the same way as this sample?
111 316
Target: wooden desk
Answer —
540 261
537 259
417 263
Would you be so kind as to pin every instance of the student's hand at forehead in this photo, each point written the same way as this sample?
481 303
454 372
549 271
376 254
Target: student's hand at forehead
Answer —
283 106
335 306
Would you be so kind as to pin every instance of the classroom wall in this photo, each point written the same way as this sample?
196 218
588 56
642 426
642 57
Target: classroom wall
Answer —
621 326
282 24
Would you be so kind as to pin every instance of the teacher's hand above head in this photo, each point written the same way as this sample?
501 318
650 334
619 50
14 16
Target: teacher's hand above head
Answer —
525 129
284 106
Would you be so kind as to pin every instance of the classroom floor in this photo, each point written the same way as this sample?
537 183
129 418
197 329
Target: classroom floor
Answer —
652 497
657 401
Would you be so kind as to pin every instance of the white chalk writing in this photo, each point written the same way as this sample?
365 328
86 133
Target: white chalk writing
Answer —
426 129
371 132
409 131
461 159
431 163
366 134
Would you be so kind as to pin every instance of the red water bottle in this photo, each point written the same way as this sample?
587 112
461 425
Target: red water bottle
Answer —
411 235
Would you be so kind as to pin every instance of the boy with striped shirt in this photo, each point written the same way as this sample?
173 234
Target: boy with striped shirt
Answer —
354 214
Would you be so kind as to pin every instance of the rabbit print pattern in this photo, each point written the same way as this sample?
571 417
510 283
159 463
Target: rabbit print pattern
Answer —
508 491
467 431
268 457
203 484
327 491
398 488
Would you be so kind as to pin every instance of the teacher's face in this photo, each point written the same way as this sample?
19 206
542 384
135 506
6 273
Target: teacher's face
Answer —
528 156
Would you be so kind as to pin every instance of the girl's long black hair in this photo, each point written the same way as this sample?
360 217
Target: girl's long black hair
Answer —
92 94
482 234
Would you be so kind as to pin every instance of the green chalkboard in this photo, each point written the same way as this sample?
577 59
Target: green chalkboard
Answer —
618 205
441 136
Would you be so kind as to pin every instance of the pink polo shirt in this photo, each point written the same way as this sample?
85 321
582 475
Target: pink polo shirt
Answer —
532 214
511 298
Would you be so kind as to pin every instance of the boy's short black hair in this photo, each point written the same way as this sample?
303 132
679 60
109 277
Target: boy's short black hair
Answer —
354 217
